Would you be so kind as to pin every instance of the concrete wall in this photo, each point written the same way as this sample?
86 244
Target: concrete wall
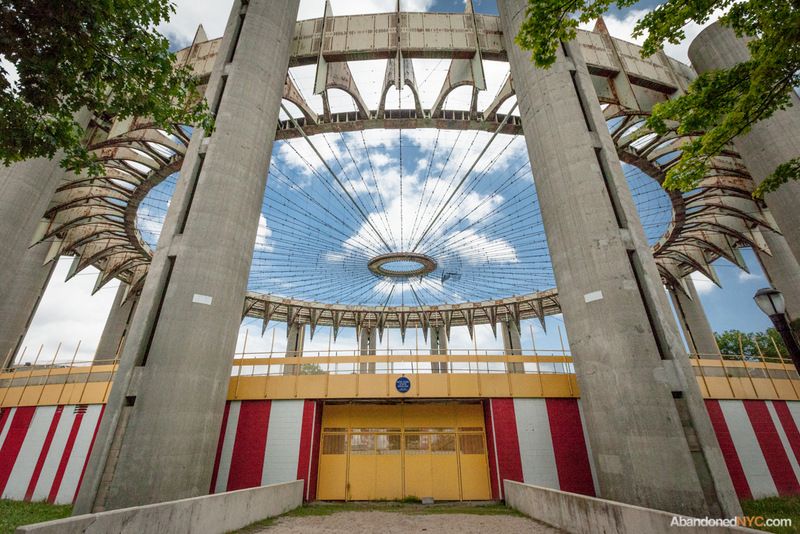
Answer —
268 442
209 514
43 450
580 514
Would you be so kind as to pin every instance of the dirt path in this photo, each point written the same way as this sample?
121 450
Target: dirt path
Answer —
401 523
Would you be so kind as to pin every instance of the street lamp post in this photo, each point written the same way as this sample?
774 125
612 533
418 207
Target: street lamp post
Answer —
770 301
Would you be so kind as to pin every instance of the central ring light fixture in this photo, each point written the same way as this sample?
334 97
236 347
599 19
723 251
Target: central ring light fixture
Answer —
402 265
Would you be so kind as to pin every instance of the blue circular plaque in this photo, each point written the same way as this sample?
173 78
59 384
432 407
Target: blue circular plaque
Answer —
403 384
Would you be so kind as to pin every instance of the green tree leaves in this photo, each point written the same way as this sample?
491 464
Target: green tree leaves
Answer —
103 55
718 105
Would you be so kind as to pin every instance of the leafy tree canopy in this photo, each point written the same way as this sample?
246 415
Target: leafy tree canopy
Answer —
735 342
722 104
102 55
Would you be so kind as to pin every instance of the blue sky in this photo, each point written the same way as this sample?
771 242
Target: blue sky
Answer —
68 313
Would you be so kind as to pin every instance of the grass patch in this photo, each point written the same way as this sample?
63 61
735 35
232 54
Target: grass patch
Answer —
405 506
14 514
776 507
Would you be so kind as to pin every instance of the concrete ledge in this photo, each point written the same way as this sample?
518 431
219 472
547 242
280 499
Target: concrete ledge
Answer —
580 514
210 514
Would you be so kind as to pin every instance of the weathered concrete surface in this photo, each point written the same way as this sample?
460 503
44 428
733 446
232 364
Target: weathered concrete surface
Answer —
580 514
438 342
693 320
512 345
650 436
159 434
770 142
26 189
116 328
782 270
210 514
400 523
21 290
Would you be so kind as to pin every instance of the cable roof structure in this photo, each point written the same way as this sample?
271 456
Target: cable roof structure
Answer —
400 191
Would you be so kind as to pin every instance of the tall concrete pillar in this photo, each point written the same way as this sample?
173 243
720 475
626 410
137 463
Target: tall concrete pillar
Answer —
770 142
693 321
782 270
295 339
438 347
512 345
650 436
116 328
367 346
26 189
159 434
21 293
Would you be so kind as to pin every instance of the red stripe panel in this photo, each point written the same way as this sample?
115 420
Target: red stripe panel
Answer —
507 440
220 442
62 465
728 450
305 444
569 446
13 443
247 460
771 447
48 440
789 426
85 460
312 483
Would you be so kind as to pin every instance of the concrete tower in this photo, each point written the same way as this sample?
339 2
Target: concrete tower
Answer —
650 435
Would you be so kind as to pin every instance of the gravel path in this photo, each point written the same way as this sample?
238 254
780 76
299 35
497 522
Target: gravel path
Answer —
399 523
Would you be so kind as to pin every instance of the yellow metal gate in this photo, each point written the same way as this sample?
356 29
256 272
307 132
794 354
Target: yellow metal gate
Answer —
392 451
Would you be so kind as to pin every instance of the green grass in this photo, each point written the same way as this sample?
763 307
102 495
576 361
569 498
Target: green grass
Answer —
17 513
406 506
776 507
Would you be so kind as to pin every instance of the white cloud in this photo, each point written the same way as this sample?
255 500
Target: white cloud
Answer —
702 283
744 276
68 315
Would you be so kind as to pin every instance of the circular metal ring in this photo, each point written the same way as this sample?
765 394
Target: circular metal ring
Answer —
378 264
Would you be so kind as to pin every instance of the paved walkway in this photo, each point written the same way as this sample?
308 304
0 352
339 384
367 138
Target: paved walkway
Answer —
402 523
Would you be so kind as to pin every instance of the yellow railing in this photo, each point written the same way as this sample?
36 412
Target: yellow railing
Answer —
348 375
746 377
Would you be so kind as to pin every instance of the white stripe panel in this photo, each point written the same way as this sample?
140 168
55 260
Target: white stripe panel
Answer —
794 409
77 459
784 439
29 453
747 448
4 430
227 447
45 483
283 442
588 449
535 443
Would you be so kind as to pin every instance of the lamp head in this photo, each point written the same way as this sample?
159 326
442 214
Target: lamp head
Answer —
770 301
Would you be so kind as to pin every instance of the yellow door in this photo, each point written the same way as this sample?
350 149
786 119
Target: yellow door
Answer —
392 451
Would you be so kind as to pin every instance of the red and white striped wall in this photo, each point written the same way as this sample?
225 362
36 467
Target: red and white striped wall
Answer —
43 450
761 445
267 442
538 441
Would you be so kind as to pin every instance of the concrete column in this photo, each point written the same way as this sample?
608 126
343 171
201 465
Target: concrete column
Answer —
694 323
770 142
159 434
21 293
650 436
782 270
512 345
116 329
438 347
367 346
295 338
